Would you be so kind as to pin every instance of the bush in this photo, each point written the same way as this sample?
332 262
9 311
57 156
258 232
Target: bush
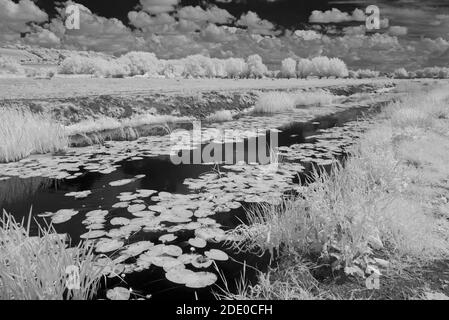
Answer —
140 63
288 68
365 74
93 65
322 67
400 74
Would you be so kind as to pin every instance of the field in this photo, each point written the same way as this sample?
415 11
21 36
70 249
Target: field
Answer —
345 196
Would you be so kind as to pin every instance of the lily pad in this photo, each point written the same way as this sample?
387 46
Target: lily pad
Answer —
217 255
108 245
197 242
118 293
181 276
202 280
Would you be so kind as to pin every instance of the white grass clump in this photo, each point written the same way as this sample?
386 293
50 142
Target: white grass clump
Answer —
23 133
107 123
220 116
35 268
319 97
274 102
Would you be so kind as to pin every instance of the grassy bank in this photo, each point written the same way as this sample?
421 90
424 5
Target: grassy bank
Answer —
37 268
23 133
384 215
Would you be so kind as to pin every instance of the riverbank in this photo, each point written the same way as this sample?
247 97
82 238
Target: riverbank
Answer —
376 228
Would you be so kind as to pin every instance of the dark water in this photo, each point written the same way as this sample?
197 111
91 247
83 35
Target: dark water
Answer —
18 196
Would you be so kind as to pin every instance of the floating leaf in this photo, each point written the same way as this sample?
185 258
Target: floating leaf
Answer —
217 255
181 276
108 245
202 280
118 293
197 242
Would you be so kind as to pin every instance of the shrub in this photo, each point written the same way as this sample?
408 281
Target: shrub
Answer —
23 133
93 65
288 68
366 74
400 74
140 63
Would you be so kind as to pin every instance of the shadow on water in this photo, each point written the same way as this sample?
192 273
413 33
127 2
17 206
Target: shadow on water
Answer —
45 195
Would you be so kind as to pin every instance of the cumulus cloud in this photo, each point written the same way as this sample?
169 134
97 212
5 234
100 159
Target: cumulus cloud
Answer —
336 16
95 33
42 37
159 6
255 24
212 14
397 31
308 34
15 18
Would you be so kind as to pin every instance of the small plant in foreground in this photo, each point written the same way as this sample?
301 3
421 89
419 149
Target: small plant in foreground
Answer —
36 268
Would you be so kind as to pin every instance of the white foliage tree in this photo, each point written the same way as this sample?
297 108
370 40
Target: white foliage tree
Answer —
256 67
235 67
288 68
141 63
337 68
304 68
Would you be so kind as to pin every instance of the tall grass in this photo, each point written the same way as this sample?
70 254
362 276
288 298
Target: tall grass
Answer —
379 201
34 268
23 133
276 102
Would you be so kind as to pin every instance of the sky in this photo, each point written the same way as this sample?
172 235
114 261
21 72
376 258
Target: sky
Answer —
413 34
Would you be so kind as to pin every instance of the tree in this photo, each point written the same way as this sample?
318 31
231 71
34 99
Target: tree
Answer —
304 68
400 73
235 67
288 68
256 68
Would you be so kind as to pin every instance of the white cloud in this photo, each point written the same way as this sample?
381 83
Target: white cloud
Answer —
398 31
14 18
255 24
159 6
212 15
336 16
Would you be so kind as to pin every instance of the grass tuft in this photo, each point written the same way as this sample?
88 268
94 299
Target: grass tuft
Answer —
34 268
23 133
